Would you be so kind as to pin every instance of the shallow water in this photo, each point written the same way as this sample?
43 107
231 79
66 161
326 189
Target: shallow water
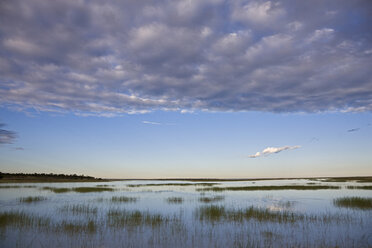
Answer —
180 224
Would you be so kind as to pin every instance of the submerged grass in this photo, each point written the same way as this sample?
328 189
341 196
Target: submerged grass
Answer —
211 199
123 199
281 187
32 199
175 200
123 218
354 203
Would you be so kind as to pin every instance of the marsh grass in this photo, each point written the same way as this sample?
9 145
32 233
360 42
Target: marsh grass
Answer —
354 203
78 189
32 199
123 199
214 213
124 218
91 189
211 199
79 209
16 186
348 179
21 219
57 190
77 228
170 184
282 187
174 200
365 187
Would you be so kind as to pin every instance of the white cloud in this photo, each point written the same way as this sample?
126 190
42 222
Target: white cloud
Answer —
270 150
151 123
266 13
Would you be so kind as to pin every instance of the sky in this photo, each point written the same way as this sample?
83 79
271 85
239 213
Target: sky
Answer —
186 88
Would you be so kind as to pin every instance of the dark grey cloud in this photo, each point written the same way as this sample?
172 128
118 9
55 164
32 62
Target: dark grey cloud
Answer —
113 57
6 136
353 130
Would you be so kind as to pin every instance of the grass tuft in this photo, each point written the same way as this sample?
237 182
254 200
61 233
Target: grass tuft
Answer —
32 199
211 199
78 189
354 203
175 200
123 199
74 228
122 218
215 213
79 209
366 187
20 219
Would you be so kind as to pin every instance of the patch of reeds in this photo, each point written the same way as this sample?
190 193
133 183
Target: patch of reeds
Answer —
262 188
366 187
16 186
32 199
78 189
170 184
78 228
20 219
348 179
91 189
354 203
123 199
213 213
219 213
57 190
211 199
175 200
79 209
124 218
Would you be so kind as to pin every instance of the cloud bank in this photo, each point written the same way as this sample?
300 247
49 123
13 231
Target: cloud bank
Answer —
6 136
113 57
270 150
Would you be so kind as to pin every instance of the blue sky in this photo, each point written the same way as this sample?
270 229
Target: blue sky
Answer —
190 145
186 88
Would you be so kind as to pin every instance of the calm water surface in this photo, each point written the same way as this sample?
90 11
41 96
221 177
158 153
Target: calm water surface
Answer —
153 221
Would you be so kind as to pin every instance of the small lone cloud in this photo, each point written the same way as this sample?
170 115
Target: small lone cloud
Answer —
151 123
18 148
270 150
6 136
353 130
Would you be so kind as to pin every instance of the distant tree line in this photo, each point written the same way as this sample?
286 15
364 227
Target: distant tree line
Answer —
46 175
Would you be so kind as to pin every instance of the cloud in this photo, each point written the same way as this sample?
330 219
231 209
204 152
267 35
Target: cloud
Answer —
6 136
151 123
270 150
353 130
127 57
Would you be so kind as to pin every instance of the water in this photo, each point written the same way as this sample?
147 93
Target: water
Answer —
179 224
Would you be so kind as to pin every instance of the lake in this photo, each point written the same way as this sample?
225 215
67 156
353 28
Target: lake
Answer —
151 213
